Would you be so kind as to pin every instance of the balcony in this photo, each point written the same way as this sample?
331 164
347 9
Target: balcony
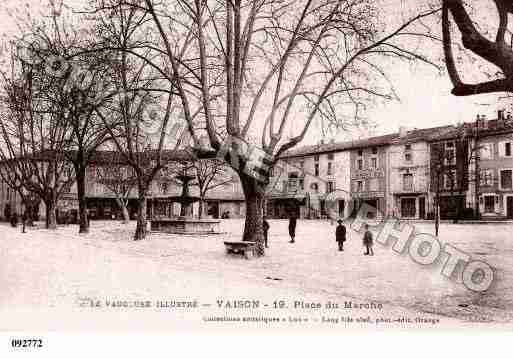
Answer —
409 188
291 186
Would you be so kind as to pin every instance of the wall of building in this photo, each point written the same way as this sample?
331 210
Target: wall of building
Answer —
493 163
369 183
100 195
455 197
316 180
414 161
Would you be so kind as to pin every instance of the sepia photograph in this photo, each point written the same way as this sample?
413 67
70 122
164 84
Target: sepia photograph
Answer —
309 166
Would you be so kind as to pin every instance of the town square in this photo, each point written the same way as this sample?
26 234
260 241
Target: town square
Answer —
288 165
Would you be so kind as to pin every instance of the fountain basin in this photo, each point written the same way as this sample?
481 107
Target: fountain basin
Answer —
185 226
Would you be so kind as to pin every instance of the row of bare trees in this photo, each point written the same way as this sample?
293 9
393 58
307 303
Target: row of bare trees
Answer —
57 114
218 73
260 69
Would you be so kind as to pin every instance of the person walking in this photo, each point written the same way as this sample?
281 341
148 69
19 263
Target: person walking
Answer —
14 219
340 235
292 228
266 231
24 221
368 241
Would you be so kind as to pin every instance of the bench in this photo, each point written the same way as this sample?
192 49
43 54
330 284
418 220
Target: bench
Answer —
240 248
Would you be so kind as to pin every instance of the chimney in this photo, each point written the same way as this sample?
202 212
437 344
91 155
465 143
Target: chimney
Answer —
403 131
500 119
481 120
500 115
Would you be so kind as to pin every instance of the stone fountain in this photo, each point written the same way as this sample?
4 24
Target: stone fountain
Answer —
185 223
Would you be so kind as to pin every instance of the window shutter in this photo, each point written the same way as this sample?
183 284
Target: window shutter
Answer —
486 151
502 146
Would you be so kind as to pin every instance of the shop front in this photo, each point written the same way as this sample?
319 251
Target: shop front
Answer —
410 205
374 201
285 207
496 205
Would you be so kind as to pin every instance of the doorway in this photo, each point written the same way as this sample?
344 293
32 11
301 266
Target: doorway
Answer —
408 207
213 209
341 208
422 207
509 207
373 210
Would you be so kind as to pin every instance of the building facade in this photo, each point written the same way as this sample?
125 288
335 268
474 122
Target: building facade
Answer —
312 182
409 176
450 171
102 203
369 177
450 175
495 146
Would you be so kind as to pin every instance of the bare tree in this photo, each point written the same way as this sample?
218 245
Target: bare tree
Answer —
11 177
48 41
497 52
133 118
209 174
287 63
33 133
78 89
120 179
442 178
451 172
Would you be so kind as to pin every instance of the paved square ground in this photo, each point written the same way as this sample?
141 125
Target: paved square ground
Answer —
60 269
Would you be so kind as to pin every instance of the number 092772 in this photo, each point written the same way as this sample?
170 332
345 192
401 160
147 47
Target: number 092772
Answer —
27 343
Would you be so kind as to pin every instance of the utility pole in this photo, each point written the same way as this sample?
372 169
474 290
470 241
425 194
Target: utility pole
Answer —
477 176
437 202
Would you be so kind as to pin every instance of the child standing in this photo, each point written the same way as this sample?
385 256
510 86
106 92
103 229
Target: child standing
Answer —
266 231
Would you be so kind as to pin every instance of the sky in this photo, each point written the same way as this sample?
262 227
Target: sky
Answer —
426 101
425 98
425 93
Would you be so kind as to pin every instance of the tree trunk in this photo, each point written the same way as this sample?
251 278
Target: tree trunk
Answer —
32 210
437 214
83 221
30 217
27 210
51 214
141 229
200 207
124 210
254 194
459 209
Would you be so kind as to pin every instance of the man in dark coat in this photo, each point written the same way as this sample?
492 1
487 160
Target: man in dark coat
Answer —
292 228
14 219
266 231
368 241
340 235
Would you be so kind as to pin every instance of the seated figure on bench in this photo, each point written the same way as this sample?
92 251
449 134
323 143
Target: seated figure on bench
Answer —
240 248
